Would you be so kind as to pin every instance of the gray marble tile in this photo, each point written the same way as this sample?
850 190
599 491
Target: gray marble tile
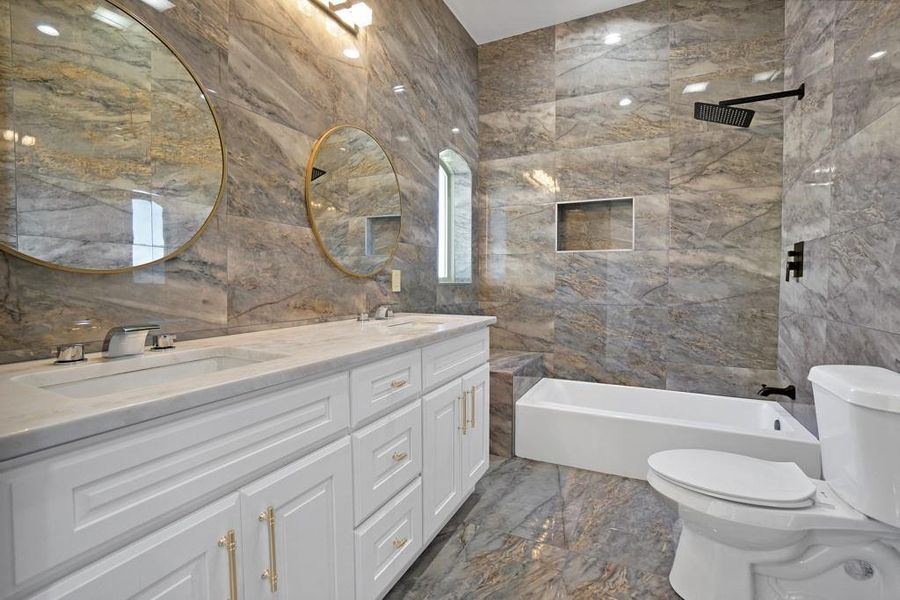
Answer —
631 23
524 180
806 206
613 278
281 67
266 286
521 229
742 218
595 66
625 115
610 344
720 381
706 334
802 344
741 277
525 324
517 71
809 47
651 222
724 159
807 124
267 168
615 171
502 417
589 578
866 84
527 130
851 344
506 277
865 179
864 277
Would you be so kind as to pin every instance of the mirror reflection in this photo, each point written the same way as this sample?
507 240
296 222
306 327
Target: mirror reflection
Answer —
353 200
110 156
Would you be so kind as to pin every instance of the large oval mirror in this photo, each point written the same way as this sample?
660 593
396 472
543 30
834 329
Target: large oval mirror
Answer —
353 200
111 154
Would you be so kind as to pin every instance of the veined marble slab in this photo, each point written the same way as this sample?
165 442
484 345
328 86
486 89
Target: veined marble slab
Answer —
34 419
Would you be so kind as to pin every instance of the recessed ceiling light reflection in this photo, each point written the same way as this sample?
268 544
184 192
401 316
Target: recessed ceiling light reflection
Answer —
48 30
695 88
612 38
111 18
351 53
766 76
878 55
625 102
455 130
399 88
159 5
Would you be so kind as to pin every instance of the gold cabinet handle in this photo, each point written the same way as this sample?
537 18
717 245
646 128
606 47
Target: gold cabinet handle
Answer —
398 456
229 542
398 383
473 407
465 417
271 573
400 542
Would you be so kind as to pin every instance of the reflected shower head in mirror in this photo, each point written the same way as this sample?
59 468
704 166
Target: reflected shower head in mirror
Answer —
725 113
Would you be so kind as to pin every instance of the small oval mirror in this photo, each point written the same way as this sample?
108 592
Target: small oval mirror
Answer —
110 154
353 201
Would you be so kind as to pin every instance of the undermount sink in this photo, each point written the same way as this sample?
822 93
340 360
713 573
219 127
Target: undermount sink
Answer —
407 325
126 374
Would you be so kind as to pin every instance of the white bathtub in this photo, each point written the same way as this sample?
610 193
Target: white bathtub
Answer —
614 429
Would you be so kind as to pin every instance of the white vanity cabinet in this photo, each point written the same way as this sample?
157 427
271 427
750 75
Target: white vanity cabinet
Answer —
456 449
327 488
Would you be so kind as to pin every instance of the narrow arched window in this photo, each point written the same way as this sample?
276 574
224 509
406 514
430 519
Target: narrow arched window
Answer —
454 219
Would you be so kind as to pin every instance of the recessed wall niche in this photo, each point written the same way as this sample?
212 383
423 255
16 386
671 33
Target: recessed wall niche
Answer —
595 225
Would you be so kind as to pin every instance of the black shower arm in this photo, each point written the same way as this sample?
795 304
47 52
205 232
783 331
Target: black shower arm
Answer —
799 92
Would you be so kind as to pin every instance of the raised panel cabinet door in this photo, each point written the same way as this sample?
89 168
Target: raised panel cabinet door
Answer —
195 558
441 469
298 529
476 438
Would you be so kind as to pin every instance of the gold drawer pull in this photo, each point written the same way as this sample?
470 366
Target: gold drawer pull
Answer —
400 542
465 417
229 542
398 383
271 573
398 456
473 407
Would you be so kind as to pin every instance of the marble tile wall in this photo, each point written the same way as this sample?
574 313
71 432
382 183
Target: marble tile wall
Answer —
279 79
841 182
602 107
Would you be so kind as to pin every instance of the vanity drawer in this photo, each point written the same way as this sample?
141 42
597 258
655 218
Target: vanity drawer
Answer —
67 506
387 455
388 543
380 387
453 358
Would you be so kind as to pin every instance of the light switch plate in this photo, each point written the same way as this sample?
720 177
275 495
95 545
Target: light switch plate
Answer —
395 280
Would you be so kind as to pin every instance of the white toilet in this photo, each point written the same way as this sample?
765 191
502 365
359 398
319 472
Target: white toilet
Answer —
760 530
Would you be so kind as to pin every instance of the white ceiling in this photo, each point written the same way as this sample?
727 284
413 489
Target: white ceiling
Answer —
490 20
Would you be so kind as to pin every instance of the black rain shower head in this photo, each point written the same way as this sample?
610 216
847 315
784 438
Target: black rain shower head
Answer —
725 113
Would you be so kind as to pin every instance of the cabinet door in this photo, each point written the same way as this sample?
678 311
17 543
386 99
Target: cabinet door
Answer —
441 469
476 439
184 561
298 529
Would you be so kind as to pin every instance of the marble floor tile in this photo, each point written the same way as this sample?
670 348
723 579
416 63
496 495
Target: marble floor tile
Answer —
618 526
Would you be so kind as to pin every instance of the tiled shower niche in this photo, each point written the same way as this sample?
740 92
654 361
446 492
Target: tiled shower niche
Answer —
595 225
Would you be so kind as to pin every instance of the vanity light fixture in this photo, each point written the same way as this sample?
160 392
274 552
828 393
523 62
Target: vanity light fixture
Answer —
48 30
349 14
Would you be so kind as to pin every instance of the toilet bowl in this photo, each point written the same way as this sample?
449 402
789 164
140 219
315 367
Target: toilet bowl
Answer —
761 530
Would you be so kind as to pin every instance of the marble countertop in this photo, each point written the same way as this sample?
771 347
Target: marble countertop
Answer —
34 419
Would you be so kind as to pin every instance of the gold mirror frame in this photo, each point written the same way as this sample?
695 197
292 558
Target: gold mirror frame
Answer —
219 196
309 208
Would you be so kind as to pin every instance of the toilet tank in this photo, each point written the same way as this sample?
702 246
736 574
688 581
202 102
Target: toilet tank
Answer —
858 414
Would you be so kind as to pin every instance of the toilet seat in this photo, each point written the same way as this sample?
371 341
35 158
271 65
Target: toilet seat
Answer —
736 478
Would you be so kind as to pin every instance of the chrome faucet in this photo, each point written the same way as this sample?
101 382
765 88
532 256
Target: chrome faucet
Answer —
384 312
127 340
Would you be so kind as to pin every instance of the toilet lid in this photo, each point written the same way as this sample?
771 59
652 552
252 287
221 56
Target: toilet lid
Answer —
736 478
